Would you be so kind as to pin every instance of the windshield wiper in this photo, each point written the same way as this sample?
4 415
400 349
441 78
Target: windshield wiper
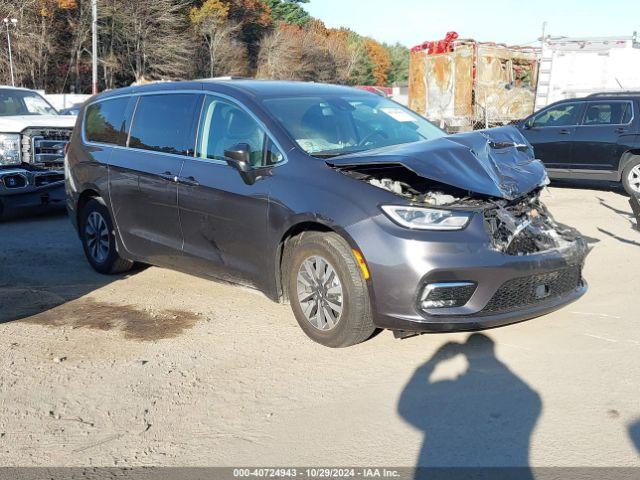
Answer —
336 153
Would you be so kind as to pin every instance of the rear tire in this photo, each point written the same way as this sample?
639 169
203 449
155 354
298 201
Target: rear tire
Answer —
324 278
631 177
98 239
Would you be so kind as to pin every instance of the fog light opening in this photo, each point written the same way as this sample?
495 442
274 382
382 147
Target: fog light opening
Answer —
446 295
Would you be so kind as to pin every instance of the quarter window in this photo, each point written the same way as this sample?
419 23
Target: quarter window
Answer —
274 155
104 121
608 113
560 116
164 123
225 125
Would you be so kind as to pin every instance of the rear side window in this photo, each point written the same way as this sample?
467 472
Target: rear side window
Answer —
560 116
104 121
164 123
608 113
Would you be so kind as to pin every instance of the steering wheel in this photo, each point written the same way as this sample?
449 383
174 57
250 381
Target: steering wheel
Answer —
371 136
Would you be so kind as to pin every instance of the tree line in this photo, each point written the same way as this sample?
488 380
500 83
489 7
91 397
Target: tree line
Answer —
144 40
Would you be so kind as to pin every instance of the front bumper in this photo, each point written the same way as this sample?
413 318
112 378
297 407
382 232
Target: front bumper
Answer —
402 262
43 190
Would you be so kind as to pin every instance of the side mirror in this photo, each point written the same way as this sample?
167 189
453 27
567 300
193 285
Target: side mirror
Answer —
238 157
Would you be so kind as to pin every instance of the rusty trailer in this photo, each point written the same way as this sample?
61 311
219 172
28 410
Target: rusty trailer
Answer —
463 84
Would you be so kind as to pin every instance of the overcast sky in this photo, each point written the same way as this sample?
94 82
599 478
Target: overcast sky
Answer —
506 21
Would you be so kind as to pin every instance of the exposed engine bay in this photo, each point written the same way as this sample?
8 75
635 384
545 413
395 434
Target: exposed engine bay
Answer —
521 226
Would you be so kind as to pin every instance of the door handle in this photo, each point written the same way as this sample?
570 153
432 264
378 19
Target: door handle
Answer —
190 181
564 131
621 130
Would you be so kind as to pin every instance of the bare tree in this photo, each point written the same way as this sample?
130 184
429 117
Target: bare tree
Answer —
32 41
226 54
78 24
311 53
149 37
280 55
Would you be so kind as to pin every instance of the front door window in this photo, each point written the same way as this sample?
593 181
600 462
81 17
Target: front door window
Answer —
560 116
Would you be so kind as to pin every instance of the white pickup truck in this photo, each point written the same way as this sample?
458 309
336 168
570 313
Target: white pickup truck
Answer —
33 137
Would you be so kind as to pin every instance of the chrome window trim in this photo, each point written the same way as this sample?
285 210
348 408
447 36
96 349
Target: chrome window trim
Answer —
191 157
633 114
556 106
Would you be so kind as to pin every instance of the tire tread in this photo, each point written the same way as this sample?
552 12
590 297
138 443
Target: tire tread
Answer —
360 322
116 264
634 161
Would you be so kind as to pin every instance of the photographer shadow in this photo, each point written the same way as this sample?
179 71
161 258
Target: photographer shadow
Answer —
480 420
634 433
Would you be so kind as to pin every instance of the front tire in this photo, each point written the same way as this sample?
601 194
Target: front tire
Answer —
98 239
631 177
328 295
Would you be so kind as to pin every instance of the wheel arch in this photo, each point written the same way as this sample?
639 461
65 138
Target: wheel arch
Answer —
626 158
84 197
287 242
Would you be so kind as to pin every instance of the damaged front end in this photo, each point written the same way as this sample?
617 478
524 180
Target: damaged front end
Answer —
494 174
526 227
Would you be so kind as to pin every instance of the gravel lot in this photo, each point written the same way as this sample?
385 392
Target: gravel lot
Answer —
161 368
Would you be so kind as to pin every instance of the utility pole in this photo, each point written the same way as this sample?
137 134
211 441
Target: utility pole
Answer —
94 46
7 22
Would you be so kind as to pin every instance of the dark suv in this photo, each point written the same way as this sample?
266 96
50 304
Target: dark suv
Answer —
597 137
357 211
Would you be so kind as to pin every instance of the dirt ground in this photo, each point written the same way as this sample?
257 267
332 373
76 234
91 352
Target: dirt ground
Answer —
161 368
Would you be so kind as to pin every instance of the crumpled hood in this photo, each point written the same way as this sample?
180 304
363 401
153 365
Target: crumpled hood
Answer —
17 123
497 162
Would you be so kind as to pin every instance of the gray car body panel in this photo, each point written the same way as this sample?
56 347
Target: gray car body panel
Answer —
497 163
240 237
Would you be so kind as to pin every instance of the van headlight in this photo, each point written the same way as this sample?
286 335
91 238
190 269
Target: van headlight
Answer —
9 149
419 218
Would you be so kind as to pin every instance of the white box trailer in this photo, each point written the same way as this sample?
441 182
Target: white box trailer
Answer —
576 67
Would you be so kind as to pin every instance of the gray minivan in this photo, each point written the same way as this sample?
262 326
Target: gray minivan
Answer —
355 210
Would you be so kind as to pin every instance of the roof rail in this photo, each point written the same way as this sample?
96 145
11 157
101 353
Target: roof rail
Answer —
615 94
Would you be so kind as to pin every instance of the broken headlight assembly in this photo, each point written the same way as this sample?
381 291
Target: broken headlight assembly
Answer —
420 218
9 149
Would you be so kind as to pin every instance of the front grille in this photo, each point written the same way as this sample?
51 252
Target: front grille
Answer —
45 146
530 291
43 179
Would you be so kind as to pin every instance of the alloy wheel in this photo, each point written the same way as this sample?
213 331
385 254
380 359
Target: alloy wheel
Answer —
634 179
97 237
320 293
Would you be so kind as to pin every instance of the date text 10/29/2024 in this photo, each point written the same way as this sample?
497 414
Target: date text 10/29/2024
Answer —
315 473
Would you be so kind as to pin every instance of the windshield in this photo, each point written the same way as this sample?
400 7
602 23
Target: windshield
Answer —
21 102
337 125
